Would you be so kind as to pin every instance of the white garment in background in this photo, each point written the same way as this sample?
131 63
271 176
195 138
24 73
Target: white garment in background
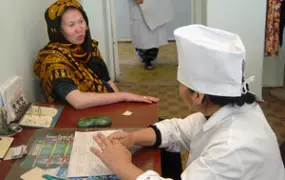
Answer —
154 17
235 143
142 36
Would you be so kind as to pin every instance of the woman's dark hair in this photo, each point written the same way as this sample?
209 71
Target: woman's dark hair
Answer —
247 98
64 11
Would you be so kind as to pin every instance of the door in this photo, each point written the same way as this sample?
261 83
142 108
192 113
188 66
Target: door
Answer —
197 16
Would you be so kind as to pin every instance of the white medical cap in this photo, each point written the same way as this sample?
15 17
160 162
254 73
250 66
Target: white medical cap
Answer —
210 60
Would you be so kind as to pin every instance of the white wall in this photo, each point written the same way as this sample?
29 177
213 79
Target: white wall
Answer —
273 69
22 34
237 16
182 17
198 12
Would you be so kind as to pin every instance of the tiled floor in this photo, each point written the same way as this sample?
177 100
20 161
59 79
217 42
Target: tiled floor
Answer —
161 82
132 69
134 73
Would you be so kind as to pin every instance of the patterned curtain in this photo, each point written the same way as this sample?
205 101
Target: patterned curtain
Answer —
272 28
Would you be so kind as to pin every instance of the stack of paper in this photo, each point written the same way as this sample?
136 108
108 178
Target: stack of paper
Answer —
14 99
16 152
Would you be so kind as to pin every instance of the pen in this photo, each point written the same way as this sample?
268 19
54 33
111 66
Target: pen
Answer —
49 177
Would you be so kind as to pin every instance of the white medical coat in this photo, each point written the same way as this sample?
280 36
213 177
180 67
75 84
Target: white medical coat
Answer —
142 36
235 143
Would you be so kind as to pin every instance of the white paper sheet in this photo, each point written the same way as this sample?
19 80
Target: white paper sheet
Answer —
127 113
157 12
83 162
35 174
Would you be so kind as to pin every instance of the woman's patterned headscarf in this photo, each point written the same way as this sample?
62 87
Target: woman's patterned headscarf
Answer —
60 59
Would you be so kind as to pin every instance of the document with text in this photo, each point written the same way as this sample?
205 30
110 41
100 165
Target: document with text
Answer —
83 162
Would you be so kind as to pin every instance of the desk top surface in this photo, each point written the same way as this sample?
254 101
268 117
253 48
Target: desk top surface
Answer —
142 116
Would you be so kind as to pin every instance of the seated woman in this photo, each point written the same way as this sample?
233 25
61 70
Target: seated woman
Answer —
70 66
228 138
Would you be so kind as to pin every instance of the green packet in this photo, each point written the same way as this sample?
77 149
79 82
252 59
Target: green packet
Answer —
96 121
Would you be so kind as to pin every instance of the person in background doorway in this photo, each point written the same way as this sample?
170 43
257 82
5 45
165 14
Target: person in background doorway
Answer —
70 66
228 137
145 40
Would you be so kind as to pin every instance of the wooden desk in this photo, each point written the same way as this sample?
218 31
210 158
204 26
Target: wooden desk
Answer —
143 116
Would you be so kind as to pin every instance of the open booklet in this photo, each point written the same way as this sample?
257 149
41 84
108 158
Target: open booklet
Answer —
41 116
83 163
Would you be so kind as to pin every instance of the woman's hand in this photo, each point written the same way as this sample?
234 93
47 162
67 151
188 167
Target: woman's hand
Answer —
129 97
113 154
139 1
125 138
